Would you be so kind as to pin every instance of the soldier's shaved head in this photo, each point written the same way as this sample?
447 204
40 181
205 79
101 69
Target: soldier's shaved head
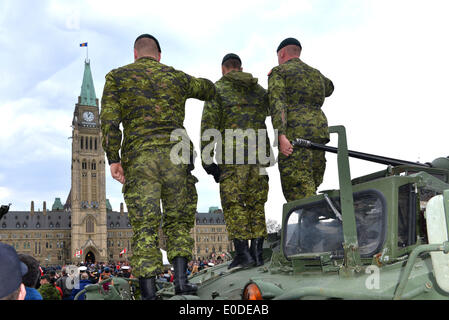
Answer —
146 46
288 52
293 50
231 62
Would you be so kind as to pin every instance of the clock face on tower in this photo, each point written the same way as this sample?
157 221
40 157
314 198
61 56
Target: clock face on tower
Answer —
88 116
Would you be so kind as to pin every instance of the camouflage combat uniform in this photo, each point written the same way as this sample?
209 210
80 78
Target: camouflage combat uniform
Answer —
296 93
240 104
148 98
49 292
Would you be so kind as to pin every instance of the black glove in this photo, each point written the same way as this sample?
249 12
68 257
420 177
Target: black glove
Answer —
214 170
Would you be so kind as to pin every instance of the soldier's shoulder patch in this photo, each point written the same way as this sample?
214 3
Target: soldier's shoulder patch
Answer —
269 73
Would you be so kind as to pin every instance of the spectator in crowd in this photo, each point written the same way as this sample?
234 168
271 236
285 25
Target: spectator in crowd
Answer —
12 271
106 275
31 278
83 282
53 276
53 283
47 290
62 284
194 268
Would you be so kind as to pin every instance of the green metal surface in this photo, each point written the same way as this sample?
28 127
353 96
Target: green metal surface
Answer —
399 268
87 95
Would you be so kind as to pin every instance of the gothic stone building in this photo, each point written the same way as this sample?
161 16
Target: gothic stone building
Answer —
85 227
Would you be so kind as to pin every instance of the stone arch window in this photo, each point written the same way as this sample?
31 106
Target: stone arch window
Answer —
95 143
94 165
90 225
82 142
90 144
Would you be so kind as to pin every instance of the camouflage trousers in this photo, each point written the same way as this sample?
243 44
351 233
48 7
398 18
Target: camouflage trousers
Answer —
151 178
243 193
301 173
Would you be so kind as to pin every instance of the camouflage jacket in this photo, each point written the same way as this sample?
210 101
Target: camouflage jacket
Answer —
296 93
148 98
49 292
241 103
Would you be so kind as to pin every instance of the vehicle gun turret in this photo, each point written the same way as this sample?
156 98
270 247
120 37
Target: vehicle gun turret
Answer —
442 163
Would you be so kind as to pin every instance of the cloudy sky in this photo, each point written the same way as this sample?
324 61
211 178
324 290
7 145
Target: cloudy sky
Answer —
388 61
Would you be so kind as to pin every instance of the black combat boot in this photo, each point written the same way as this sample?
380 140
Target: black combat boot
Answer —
182 286
256 251
242 256
147 288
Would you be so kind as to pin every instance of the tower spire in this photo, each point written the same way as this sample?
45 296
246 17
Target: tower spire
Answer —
87 96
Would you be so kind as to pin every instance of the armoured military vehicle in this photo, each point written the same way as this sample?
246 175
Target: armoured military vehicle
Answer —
380 236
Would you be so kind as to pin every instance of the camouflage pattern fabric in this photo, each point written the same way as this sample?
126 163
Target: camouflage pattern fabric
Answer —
49 292
148 98
241 104
244 192
301 173
152 178
296 93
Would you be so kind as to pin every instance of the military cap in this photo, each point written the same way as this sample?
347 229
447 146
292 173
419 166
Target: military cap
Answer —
149 36
230 56
11 270
287 42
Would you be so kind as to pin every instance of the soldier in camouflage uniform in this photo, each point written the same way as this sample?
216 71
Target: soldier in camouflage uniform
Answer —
241 103
148 98
47 290
296 94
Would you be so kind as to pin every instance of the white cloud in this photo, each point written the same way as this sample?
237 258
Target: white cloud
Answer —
5 194
388 61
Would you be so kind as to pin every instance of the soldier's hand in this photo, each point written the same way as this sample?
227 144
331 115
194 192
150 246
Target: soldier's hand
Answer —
117 172
285 147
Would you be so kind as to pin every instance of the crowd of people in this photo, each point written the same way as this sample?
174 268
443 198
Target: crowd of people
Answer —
25 279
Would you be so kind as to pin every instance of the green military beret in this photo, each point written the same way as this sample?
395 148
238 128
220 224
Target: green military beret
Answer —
230 56
149 36
287 42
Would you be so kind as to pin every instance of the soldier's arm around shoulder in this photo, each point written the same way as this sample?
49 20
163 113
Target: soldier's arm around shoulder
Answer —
329 86
211 122
111 118
199 88
277 101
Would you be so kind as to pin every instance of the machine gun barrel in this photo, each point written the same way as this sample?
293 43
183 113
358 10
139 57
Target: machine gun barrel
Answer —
359 155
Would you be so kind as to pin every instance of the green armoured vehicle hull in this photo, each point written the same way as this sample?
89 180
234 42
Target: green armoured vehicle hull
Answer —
380 236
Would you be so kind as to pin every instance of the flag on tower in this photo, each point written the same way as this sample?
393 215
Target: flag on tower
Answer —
123 252
84 44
